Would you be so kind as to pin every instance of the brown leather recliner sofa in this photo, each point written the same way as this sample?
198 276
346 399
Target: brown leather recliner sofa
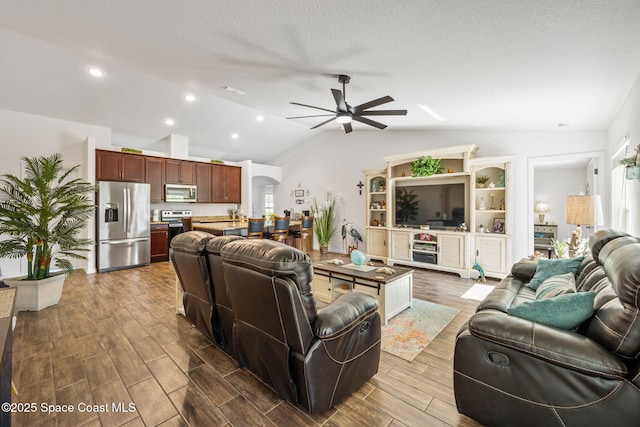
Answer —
311 356
254 299
511 371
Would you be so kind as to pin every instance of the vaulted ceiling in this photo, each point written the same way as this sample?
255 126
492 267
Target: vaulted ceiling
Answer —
479 65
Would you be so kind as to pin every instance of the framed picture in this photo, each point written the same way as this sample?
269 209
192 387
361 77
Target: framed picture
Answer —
299 193
498 225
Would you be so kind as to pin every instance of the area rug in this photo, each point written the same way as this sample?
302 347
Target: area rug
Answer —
408 333
478 292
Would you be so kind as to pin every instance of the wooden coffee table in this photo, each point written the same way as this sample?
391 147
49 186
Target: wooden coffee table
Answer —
393 291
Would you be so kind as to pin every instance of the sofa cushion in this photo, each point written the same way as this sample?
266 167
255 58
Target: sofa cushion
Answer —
552 267
566 311
556 285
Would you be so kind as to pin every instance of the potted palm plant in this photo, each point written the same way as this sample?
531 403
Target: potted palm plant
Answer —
41 218
324 224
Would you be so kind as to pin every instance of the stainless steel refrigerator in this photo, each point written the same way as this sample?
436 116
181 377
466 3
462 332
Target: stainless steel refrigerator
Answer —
123 228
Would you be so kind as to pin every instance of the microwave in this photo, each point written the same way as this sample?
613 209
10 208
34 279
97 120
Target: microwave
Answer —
180 193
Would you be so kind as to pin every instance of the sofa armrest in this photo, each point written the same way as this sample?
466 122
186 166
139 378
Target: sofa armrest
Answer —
342 313
556 346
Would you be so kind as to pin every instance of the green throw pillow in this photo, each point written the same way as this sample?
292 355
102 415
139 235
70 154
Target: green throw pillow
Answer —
557 285
566 311
552 267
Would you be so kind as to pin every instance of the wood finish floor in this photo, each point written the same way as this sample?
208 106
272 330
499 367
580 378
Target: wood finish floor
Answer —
114 339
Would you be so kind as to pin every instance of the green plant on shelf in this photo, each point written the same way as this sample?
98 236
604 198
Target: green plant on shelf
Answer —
426 166
131 150
482 179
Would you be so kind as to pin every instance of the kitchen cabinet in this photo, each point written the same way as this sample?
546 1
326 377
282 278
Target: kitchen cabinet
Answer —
159 242
116 166
226 184
154 176
180 172
203 182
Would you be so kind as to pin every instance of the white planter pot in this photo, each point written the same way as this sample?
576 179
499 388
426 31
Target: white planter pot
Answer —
34 295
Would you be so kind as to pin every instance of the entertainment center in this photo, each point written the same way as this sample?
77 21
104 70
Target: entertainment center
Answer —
447 221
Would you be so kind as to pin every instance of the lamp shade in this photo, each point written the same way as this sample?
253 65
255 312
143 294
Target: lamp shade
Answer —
584 210
541 207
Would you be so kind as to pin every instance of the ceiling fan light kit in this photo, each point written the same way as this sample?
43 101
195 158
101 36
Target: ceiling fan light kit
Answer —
345 113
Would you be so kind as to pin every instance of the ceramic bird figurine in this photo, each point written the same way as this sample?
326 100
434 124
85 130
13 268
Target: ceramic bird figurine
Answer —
480 270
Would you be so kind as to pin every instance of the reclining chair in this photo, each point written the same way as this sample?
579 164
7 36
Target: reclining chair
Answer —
190 262
223 306
314 357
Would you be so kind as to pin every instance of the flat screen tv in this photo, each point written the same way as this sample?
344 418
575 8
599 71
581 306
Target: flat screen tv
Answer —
439 205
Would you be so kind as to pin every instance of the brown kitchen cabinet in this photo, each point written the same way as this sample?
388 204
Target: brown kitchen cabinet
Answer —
180 172
159 242
226 184
154 176
203 182
116 166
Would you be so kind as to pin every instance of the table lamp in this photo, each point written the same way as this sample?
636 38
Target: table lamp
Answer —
541 209
583 210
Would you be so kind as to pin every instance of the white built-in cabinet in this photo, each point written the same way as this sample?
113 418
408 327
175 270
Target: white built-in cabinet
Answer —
448 249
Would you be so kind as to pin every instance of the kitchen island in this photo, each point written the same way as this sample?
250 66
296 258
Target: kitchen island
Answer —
235 227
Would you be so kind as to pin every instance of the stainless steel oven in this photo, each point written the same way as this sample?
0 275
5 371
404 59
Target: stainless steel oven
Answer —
174 218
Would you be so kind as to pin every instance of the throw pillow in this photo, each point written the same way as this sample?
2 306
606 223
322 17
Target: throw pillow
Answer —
552 267
557 285
566 311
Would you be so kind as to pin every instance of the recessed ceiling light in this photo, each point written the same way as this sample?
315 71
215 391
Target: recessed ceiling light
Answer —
259 118
432 113
169 122
235 136
95 72
190 97
233 90
563 125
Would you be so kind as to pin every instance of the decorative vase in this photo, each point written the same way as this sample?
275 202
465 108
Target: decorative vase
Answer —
34 295
632 172
324 250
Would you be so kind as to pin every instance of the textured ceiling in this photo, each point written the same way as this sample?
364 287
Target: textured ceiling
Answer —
490 64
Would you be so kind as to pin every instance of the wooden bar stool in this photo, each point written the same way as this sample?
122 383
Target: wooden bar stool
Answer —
187 223
281 229
303 239
255 230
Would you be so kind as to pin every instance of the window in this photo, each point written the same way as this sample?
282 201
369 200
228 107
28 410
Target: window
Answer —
268 202
619 188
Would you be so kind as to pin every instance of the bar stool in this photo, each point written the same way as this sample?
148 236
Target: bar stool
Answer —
255 230
281 228
187 223
303 239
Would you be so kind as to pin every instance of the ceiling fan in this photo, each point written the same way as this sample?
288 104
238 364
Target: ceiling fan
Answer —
345 113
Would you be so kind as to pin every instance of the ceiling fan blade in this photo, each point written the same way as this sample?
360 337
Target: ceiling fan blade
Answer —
358 108
369 122
311 106
383 113
323 123
347 127
337 95
317 115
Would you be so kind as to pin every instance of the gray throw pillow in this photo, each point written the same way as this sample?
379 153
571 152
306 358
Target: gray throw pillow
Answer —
552 267
557 285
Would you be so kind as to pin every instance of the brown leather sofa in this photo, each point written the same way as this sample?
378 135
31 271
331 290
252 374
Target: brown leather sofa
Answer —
254 299
511 371
190 262
314 357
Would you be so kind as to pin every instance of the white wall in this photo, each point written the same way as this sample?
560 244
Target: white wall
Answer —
627 123
334 160
30 135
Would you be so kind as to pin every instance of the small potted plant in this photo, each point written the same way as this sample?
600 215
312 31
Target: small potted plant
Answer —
426 166
560 247
632 165
481 181
481 228
41 218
